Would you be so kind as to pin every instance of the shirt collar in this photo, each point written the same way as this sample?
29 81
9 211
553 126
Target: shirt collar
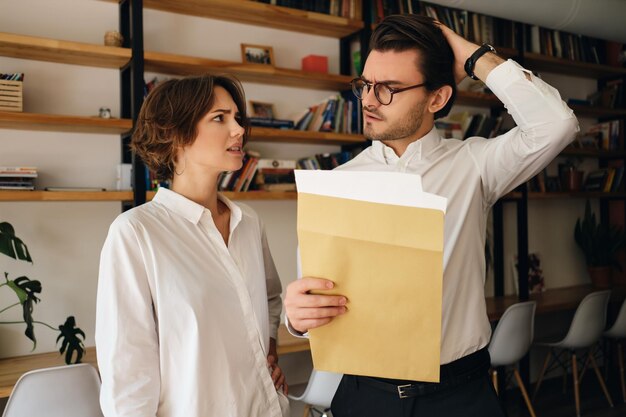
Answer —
191 210
415 151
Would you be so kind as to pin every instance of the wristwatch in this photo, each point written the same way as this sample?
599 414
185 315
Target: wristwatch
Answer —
471 61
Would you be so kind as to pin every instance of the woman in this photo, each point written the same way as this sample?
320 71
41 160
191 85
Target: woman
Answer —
188 295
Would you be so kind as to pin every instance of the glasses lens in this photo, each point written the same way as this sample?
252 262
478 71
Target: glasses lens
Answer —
358 85
382 93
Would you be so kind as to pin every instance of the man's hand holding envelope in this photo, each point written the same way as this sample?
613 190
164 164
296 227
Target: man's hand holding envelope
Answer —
371 247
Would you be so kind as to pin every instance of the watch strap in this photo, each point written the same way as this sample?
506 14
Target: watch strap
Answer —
471 61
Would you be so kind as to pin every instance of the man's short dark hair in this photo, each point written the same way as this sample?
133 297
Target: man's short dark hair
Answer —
406 32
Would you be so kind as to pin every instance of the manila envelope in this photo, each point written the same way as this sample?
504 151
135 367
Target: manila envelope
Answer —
387 260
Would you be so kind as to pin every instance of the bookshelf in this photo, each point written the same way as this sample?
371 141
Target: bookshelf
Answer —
563 66
186 65
256 13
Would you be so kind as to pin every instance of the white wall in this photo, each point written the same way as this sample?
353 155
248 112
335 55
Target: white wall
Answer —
65 237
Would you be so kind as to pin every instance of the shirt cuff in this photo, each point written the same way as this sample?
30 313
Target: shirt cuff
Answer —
504 75
293 331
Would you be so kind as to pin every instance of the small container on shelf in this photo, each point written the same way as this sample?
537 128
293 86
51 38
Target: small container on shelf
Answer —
11 95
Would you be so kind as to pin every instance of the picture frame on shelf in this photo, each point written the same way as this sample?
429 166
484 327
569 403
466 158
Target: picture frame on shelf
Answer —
257 54
263 110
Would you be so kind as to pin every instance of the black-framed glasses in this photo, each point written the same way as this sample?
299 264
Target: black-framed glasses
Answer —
382 92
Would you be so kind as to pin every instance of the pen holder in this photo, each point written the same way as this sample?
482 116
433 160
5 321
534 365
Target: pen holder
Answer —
11 95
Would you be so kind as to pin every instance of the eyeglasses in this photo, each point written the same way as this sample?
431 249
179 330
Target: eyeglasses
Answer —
384 93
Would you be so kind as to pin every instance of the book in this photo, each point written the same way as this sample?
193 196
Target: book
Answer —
595 180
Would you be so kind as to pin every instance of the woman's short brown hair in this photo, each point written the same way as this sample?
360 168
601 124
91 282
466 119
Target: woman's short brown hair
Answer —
170 114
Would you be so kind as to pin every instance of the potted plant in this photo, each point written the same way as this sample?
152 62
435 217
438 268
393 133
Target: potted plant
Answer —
26 291
599 243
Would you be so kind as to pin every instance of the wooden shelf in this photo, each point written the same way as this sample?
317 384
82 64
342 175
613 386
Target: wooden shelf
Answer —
263 134
596 112
62 123
186 65
8 195
249 195
260 14
562 195
468 98
538 62
63 52
593 153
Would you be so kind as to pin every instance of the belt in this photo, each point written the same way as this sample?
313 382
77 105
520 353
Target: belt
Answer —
449 378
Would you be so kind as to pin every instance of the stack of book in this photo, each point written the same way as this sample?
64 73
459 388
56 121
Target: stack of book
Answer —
273 123
605 180
325 160
241 180
339 114
604 135
464 125
17 178
275 175
350 9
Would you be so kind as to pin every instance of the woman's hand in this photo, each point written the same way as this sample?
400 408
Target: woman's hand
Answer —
278 377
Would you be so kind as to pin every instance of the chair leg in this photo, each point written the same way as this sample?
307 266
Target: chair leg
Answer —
541 374
575 379
520 383
494 380
599 375
620 358
307 410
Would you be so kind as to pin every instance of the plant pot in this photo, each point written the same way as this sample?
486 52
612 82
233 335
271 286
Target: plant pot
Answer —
600 276
571 180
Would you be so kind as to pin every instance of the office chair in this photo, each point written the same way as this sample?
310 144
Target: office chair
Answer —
510 342
617 333
319 393
64 391
583 334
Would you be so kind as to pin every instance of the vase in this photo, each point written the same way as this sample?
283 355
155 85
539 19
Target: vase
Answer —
600 276
571 180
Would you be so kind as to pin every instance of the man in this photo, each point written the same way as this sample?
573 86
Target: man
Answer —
409 81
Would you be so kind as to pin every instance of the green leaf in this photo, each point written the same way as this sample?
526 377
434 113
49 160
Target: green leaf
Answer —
29 287
11 245
598 241
71 343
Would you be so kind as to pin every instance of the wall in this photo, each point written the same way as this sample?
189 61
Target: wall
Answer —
65 238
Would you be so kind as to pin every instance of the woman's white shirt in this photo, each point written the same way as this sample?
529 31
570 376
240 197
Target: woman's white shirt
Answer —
183 320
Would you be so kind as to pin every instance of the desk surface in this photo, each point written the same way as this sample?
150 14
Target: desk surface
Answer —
12 368
549 301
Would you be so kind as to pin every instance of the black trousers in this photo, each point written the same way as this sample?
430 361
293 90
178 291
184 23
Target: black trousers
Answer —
465 390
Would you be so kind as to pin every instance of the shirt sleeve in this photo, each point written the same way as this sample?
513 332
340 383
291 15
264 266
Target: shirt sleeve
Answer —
274 287
545 126
126 336
290 328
